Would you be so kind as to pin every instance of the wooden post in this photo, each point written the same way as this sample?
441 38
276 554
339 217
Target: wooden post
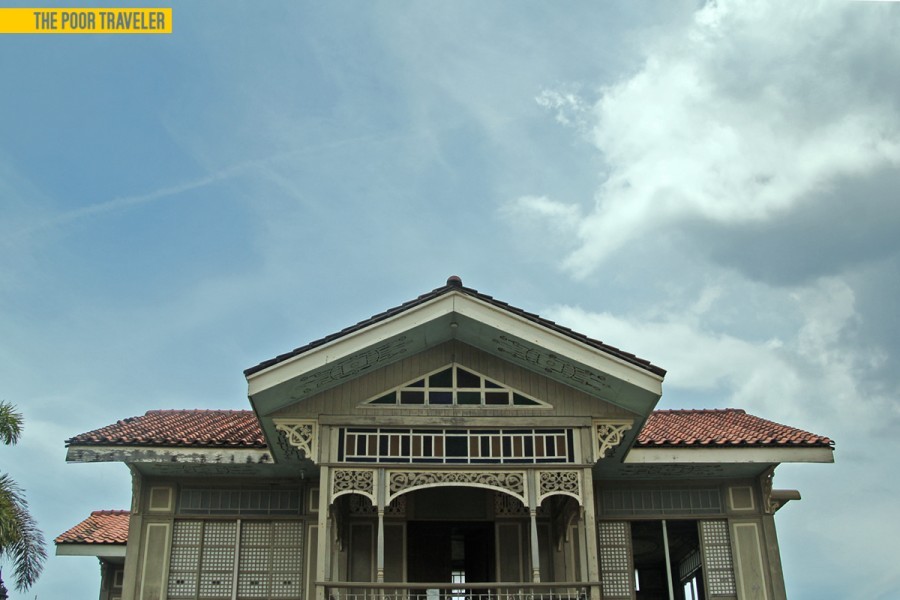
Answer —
532 511
590 530
323 552
380 494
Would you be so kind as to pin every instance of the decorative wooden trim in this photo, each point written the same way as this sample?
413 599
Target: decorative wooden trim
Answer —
567 483
509 482
302 434
769 505
608 434
353 481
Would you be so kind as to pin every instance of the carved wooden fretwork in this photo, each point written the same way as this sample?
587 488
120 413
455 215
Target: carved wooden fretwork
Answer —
769 505
510 482
608 435
674 471
567 483
353 481
506 506
135 490
350 367
301 434
551 363
359 506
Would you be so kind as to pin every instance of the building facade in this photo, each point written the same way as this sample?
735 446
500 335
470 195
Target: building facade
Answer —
454 446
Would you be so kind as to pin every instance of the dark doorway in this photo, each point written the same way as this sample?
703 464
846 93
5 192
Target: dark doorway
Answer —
442 552
652 574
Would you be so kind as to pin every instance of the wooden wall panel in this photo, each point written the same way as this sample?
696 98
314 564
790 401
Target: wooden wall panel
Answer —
346 399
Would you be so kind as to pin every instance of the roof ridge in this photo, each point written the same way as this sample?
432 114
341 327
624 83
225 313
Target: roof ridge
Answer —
699 410
454 284
195 410
110 512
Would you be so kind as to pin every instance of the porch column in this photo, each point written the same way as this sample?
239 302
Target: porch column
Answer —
323 551
590 530
532 511
379 557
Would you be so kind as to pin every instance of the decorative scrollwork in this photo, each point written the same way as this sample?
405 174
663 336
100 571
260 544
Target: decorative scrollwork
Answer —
300 434
765 480
673 471
507 506
353 481
352 366
559 482
511 482
609 434
358 506
551 363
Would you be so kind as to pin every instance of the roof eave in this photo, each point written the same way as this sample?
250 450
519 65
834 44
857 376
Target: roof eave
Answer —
161 454
732 454
450 302
104 550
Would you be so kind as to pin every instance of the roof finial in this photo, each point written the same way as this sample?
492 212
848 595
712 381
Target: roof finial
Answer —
454 281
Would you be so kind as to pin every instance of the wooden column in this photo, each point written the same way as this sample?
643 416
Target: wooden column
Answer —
323 552
380 493
590 530
532 511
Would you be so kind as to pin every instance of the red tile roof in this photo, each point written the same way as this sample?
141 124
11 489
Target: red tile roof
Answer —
455 284
102 527
725 427
180 428
240 428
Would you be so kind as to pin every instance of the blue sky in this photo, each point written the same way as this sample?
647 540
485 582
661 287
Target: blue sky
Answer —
710 186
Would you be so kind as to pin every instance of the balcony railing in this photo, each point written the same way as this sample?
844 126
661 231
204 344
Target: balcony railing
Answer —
566 590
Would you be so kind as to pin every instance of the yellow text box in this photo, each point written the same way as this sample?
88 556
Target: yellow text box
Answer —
85 20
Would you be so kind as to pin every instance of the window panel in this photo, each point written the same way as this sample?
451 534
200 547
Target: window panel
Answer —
453 386
269 558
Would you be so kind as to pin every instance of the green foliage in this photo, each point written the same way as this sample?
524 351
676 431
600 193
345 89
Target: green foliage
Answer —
21 542
10 424
20 539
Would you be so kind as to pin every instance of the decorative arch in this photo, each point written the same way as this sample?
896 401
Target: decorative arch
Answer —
562 483
353 481
507 482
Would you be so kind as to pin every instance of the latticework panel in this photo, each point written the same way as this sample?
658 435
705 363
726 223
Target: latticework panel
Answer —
269 560
717 560
616 570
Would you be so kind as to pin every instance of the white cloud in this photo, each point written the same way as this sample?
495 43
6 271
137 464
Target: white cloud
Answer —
751 112
563 218
812 376
806 375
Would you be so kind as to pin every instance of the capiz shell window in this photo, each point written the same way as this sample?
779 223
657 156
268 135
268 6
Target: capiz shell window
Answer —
262 558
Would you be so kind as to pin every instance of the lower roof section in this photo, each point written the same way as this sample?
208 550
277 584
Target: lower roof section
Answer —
103 534
211 442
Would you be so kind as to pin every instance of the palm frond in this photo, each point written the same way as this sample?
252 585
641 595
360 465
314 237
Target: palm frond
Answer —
10 423
20 539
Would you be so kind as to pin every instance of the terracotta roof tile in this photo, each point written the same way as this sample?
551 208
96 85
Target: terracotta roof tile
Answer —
239 428
102 527
455 284
180 428
724 427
